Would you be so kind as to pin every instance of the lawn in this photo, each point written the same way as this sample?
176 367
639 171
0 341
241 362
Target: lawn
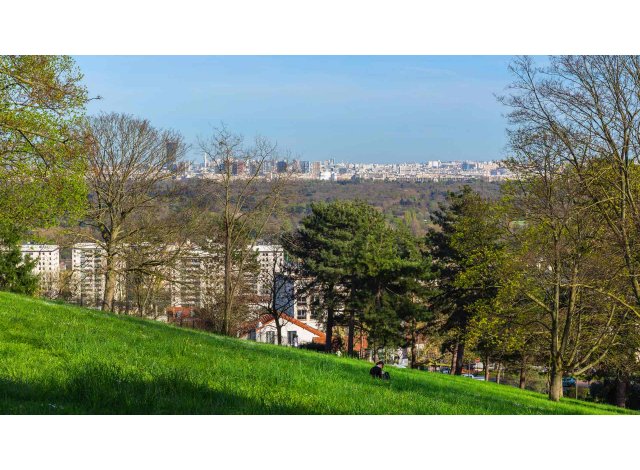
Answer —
57 358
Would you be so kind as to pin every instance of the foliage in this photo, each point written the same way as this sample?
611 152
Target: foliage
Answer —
15 271
390 197
42 159
368 268
465 248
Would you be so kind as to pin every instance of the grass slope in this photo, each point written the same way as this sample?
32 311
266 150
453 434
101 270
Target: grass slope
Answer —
62 359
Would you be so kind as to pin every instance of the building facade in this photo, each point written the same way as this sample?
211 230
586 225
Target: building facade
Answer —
294 332
47 266
88 263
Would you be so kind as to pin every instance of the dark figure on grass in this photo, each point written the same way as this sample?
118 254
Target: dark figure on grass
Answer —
377 373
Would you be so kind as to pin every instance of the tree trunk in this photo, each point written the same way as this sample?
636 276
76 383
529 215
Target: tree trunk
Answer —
328 347
555 382
414 340
413 352
226 314
621 392
459 359
486 368
523 373
454 359
350 334
109 284
276 321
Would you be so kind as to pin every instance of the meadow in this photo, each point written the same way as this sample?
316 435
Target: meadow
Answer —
62 359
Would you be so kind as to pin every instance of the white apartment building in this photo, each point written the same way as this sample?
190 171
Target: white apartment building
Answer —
47 266
88 263
271 260
187 286
47 256
197 277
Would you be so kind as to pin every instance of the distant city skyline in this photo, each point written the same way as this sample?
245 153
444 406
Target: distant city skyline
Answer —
360 109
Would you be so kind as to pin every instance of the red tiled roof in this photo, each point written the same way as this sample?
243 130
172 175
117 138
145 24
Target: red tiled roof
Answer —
175 310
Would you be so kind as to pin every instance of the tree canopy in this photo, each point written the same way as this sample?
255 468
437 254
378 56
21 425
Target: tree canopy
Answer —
42 159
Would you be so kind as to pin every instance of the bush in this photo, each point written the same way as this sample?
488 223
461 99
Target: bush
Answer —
312 347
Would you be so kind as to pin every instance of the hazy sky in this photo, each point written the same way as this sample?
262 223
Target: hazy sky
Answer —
359 109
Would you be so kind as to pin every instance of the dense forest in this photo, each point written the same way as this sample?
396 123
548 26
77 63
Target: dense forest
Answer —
412 203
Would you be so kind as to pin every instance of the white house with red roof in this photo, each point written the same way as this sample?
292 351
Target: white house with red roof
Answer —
294 332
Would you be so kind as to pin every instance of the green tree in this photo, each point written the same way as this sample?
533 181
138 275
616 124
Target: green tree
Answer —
368 271
16 273
464 247
404 286
325 243
557 258
42 160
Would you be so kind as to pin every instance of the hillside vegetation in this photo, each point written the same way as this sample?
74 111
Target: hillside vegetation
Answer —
62 359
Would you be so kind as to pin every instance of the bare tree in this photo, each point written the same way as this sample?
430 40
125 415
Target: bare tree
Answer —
590 105
207 284
242 207
131 165
280 286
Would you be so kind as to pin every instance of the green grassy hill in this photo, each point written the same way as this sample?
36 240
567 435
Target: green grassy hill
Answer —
62 359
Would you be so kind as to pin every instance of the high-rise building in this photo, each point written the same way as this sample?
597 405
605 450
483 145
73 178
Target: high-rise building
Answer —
47 257
238 168
172 151
88 263
276 278
267 167
305 166
196 278
47 266
270 262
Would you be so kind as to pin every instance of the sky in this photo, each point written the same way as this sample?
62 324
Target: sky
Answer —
377 109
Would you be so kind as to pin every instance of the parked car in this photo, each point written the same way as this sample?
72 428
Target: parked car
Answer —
568 381
471 376
445 370
479 377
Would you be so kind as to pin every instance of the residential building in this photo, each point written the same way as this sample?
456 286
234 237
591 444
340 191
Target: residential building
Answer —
47 266
276 277
189 276
238 168
47 257
294 332
88 261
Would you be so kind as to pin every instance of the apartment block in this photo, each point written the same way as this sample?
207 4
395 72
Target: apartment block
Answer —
47 266
88 263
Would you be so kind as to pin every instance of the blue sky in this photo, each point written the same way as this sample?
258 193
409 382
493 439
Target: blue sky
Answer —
358 109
